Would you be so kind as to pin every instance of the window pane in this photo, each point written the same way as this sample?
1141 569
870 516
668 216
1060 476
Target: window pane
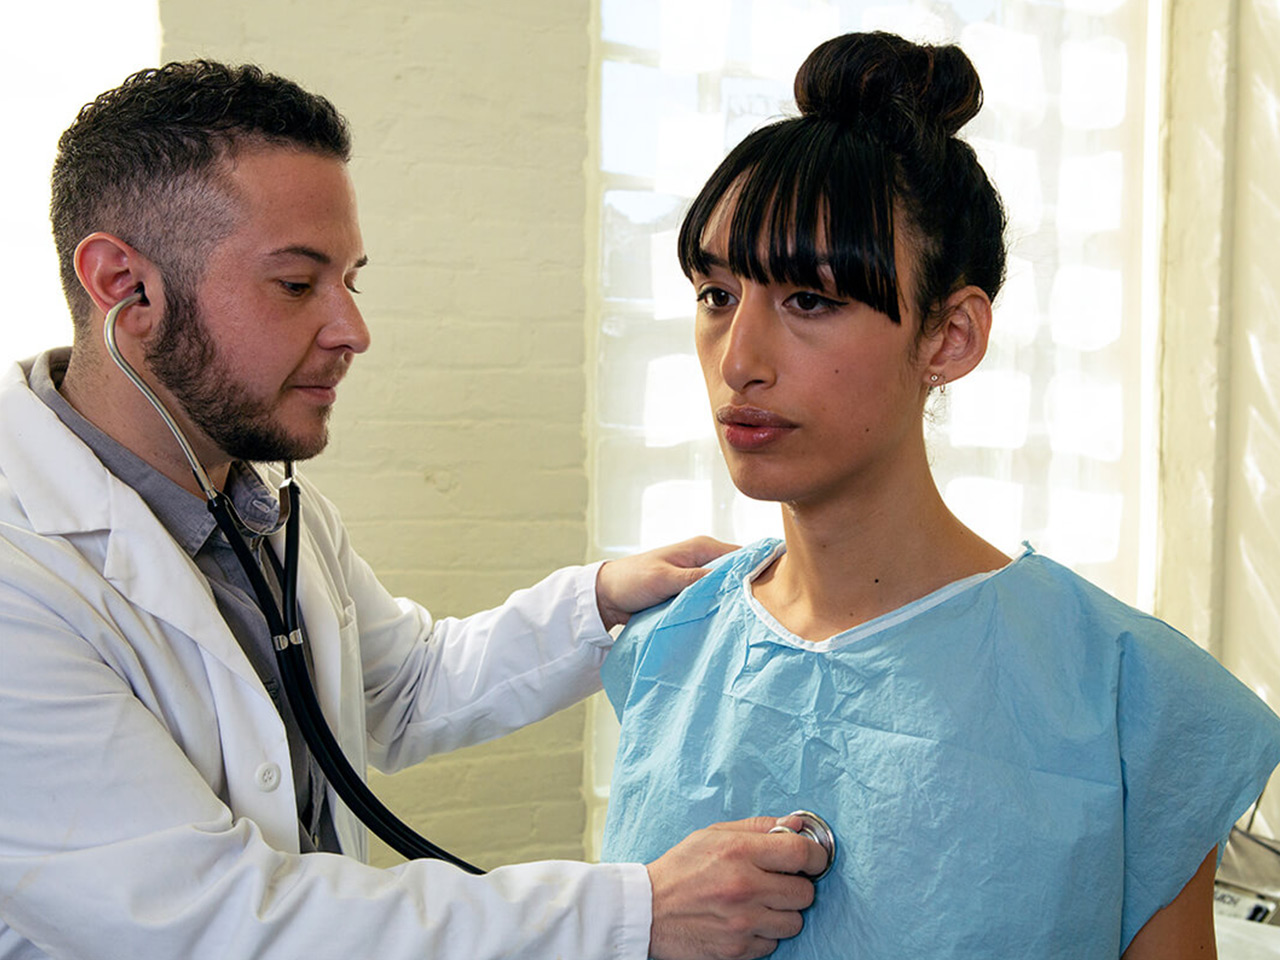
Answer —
48 70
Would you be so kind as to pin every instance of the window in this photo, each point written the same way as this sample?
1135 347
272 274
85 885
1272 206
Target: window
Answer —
60 56
1051 438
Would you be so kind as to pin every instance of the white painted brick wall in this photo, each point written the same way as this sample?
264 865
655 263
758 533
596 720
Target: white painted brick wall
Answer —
458 450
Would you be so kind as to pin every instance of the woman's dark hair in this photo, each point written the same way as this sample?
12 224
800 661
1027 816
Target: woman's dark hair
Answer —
876 136
143 161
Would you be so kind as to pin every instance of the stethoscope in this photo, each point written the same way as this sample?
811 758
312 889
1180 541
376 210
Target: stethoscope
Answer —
286 636
289 644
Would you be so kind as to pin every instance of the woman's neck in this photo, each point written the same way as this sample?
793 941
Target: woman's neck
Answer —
851 560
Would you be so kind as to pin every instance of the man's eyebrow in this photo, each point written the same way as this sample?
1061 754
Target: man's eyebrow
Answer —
311 253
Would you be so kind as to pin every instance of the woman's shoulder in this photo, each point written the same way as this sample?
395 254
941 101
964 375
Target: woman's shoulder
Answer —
1148 664
673 626
725 576
1040 589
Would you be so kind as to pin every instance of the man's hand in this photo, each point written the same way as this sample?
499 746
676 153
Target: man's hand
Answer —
731 891
626 586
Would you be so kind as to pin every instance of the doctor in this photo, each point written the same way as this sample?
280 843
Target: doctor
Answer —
156 799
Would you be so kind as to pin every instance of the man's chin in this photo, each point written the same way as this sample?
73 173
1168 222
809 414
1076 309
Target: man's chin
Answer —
273 447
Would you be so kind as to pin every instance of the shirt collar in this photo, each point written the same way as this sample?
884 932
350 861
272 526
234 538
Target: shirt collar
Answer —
184 515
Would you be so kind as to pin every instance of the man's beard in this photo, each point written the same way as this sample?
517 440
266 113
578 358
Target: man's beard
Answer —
185 359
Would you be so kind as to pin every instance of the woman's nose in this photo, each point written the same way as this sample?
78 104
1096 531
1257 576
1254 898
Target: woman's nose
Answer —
747 358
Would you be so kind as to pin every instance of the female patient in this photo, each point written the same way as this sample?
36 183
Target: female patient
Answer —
1015 763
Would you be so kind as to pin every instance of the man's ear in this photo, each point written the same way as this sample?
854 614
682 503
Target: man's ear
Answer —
960 342
110 270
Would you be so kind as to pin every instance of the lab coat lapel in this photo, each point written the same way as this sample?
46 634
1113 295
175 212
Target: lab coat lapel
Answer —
65 490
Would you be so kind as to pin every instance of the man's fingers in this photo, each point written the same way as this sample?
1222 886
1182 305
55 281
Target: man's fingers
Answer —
732 890
780 852
699 550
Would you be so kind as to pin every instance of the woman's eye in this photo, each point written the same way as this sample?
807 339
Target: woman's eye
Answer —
715 297
809 302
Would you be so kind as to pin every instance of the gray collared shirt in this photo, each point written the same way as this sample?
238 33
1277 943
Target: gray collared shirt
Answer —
190 523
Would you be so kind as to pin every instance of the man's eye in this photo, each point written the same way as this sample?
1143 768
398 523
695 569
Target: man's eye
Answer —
294 288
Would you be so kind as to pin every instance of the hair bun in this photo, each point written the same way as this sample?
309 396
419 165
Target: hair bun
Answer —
890 82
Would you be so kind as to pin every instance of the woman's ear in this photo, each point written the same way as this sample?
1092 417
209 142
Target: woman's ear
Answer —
960 342
110 270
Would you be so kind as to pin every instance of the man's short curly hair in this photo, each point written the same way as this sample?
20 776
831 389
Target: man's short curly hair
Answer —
143 161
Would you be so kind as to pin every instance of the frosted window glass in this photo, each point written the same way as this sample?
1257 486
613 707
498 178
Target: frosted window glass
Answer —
783 33
1094 74
990 409
991 508
675 402
1089 193
1084 526
1015 171
1010 65
907 20
690 146
755 519
672 509
1086 307
1086 416
637 23
1094 8
748 103
59 56
1017 309
673 295
691 41
633 101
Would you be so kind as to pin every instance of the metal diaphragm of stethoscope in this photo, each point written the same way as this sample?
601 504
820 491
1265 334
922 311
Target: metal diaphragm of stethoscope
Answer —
817 830
286 636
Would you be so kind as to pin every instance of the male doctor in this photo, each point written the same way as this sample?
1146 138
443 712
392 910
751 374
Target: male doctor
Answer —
156 799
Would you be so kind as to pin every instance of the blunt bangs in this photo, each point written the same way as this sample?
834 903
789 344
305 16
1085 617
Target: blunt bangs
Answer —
800 195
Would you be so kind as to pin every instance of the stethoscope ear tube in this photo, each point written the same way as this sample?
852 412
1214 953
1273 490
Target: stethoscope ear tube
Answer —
286 637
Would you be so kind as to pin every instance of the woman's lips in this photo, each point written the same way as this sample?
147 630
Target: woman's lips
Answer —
750 428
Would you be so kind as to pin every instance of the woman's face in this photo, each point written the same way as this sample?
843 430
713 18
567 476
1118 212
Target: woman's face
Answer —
816 396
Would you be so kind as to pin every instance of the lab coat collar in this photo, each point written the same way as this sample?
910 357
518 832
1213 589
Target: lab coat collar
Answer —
64 490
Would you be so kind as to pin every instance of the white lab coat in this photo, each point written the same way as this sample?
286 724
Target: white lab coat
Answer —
146 800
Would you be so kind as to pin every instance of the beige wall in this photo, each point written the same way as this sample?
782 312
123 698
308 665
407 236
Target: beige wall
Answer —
1220 464
458 453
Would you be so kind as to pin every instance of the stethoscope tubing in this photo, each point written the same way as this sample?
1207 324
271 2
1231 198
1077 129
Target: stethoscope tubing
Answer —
287 639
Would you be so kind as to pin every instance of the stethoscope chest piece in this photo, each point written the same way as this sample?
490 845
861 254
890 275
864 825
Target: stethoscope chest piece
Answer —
817 830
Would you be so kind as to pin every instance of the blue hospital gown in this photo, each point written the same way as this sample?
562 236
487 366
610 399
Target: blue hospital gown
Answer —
1017 765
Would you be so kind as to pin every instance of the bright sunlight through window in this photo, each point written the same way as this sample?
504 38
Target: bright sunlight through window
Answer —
57 57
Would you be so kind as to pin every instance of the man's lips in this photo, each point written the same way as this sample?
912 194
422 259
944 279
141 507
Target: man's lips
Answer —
322 389
751 428
319 393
